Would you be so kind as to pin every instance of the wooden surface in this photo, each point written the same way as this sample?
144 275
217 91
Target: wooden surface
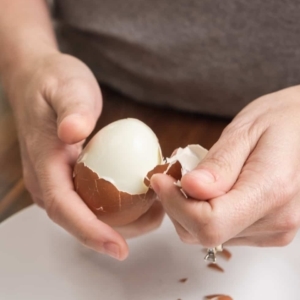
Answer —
174 129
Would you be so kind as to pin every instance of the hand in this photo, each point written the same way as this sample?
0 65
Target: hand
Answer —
247 189
57 101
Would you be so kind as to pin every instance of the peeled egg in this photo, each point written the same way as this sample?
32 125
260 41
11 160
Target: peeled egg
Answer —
109 174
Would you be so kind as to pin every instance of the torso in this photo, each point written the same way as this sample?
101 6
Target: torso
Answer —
205 56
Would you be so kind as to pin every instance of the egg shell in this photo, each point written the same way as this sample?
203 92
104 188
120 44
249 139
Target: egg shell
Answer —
182 161
174 170
100 196
218 297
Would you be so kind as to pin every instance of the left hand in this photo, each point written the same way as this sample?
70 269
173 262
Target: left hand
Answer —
56 102
246 191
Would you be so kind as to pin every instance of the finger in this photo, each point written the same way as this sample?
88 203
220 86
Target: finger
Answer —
149 221
180 209
220 168
264 240
183 234
78 106
67 209
254 238
263 185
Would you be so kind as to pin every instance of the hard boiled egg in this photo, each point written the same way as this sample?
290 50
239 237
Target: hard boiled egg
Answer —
109 174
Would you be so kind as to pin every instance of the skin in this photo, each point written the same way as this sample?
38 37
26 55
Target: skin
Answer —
246 190
56 102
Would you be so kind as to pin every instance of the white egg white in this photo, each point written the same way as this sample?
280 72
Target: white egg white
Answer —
122 153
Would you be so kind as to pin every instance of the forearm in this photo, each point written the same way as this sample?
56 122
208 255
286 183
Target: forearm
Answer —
26 34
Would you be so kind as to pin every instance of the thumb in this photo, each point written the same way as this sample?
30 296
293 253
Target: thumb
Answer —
78 106
219 170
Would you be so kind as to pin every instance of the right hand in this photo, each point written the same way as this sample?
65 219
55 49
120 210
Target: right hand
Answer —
56 102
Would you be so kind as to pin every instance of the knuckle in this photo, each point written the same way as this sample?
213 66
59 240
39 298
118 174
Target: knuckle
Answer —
285 187
289 224
239 128
244 130
256 128
281 188
235 128
210 237
284 239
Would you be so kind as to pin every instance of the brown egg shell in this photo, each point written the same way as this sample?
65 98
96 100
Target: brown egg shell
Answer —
215 267
113 207
225 253
218 297
173 170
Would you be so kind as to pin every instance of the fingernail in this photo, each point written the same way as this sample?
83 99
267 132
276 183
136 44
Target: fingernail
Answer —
203 176
112 250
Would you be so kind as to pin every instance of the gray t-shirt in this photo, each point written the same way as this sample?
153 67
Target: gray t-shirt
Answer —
205 56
